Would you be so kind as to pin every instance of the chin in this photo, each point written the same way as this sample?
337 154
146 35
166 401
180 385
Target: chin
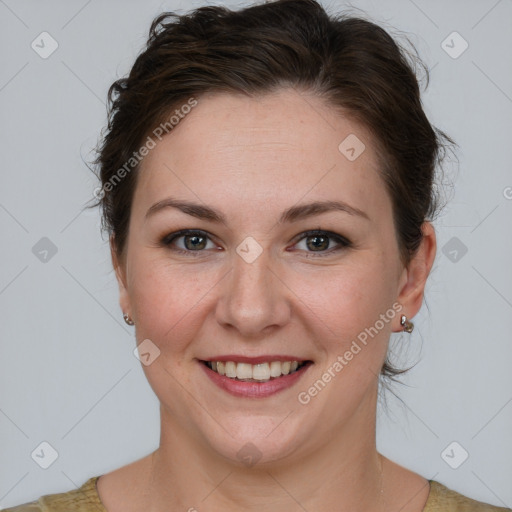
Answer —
255 440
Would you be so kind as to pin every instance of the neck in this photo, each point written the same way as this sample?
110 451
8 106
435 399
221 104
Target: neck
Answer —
343 473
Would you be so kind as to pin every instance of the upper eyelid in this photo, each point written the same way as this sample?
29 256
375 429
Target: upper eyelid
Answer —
171 237
312 232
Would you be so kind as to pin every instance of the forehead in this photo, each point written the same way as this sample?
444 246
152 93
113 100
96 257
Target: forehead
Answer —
283 145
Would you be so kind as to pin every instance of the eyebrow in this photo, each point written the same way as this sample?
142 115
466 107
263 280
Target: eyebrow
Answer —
292 214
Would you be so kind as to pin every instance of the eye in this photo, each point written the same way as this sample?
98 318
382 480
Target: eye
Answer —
188 240
321 242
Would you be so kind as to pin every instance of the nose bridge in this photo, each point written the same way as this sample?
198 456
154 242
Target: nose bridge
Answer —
253 298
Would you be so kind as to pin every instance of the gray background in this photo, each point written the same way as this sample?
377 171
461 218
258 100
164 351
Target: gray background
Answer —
68 375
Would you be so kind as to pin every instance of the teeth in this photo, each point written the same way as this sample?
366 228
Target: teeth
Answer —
242 371
258 372
230 369
275 369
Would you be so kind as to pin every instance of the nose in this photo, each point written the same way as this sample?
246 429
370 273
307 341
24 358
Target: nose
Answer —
254 299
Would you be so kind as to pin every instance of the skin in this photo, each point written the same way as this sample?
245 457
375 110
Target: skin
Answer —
251 159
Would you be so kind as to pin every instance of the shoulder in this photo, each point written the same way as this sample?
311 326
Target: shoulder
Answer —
83 499
443 499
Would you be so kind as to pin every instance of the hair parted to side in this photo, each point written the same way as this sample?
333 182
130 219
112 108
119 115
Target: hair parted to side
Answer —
354 65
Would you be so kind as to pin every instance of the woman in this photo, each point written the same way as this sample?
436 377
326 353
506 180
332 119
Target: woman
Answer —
267 183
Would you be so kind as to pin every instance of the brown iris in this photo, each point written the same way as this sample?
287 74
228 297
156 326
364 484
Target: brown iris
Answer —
317 242
195 242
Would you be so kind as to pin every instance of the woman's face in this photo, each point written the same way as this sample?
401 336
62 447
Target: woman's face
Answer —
255 284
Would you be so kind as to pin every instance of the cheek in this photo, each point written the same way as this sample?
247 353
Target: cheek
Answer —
347 302
349 296
167 301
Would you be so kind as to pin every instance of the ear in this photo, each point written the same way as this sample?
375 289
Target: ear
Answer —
414 277
120 269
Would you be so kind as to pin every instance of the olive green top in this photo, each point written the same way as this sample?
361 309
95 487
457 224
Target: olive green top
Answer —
86 499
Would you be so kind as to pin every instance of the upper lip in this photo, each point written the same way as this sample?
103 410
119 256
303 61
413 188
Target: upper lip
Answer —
255 360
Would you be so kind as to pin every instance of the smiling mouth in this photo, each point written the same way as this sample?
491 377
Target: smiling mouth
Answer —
262 372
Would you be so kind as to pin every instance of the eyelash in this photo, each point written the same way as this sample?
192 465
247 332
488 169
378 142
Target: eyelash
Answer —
343 242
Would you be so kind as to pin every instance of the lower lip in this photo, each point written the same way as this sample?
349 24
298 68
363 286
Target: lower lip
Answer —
255 389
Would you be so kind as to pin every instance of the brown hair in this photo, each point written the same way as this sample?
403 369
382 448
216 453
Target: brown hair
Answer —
352 63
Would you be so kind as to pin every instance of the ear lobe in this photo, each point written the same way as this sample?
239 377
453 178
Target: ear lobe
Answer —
412 291
124 300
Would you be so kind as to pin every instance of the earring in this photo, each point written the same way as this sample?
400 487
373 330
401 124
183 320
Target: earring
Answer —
128 320
408 326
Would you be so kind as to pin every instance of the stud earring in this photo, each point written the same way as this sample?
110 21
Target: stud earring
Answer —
408 326
128 320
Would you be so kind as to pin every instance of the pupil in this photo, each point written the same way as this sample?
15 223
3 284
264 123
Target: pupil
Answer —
318 242
195 242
